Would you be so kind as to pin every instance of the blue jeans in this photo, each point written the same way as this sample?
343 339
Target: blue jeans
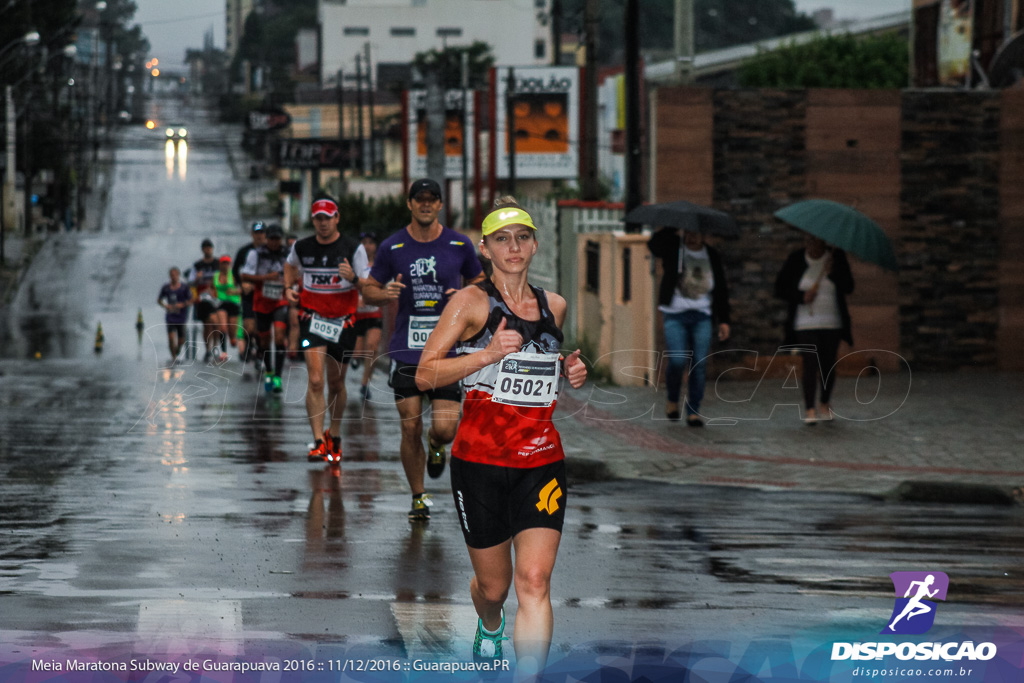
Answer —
687 342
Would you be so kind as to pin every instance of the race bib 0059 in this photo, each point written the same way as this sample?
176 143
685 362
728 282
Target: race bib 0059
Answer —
328 328
527 379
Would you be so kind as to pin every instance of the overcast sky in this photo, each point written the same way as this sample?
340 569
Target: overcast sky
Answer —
174 25
854 9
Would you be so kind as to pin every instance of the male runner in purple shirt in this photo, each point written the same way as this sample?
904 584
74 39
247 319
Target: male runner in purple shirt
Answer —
419 267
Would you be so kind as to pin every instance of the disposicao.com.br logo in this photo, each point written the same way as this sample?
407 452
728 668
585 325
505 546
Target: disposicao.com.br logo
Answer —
914 613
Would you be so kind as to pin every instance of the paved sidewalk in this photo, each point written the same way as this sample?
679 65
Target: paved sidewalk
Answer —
956 437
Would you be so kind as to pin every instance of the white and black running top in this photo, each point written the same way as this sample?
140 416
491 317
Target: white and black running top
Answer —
323 290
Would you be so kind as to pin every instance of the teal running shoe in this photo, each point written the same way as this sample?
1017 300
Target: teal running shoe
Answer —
487 645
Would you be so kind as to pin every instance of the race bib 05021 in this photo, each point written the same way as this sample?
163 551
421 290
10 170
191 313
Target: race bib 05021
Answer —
527 379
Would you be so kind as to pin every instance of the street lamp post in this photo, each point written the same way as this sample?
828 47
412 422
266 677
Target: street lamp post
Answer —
7 198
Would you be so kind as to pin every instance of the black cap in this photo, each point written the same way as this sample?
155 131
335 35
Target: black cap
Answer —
425 185
275 231
207 243
258 226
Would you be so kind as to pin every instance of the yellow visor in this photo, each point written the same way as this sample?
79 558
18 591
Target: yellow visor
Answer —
500 218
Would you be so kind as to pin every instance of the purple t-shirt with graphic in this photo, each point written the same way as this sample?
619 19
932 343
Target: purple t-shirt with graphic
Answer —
428 270
179 295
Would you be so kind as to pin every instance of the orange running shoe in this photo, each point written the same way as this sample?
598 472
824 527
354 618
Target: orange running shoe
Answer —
319 452
333 444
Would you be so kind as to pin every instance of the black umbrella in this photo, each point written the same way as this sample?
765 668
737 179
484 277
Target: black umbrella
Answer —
685 215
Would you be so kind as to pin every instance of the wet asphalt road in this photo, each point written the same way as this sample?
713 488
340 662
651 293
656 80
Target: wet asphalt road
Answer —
158 507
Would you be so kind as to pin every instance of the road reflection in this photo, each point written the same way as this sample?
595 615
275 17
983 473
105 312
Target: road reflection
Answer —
176 152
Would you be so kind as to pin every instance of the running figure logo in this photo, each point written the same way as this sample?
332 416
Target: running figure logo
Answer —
914 613
423 267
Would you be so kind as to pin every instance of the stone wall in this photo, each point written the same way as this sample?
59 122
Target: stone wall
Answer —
949 246
760 166
925 165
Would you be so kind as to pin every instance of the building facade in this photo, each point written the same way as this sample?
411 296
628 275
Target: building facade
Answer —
236 12
518 31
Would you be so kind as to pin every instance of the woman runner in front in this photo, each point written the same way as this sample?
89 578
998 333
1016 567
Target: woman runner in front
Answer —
508 467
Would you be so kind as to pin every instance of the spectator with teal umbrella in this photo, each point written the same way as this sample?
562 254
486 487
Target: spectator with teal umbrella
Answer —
815 281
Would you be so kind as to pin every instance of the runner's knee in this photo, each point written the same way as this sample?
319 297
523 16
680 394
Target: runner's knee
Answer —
493 591
533 581
412 428
315 384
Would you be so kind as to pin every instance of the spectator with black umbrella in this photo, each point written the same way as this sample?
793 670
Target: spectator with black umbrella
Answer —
693 297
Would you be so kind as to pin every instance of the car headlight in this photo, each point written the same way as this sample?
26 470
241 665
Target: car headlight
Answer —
182 132
170 132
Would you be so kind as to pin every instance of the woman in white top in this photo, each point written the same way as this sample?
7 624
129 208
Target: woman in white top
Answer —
694 302
815 282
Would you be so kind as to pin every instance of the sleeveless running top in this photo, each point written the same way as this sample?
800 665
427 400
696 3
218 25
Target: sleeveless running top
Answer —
494 433
222 288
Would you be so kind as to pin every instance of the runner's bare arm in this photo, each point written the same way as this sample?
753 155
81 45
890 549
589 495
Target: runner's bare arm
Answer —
575 370
478 278
291 278
376 294
464 316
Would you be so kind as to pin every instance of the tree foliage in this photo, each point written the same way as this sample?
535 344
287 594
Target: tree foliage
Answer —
448 62
268 40
214 68
841 61
380 215
717 24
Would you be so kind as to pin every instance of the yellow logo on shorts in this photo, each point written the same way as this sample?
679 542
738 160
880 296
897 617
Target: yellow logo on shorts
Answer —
549 495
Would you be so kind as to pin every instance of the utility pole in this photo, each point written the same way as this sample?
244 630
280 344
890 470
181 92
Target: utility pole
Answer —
683 42
359 105
345 152
370 89
634 157
589 189
510 125
465 140
434 105
556 32
12 141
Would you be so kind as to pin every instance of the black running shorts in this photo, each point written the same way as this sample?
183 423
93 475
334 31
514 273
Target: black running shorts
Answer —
402 378
265 320
204 309
340 351
247 310
495 503
363 325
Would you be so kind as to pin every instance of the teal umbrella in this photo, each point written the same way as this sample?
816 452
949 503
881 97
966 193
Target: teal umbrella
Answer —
841 226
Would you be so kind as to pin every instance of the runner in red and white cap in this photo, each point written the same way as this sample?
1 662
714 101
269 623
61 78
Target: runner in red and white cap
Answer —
319 278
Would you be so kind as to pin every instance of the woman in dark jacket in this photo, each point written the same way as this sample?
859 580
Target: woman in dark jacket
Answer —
815 282
693 299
